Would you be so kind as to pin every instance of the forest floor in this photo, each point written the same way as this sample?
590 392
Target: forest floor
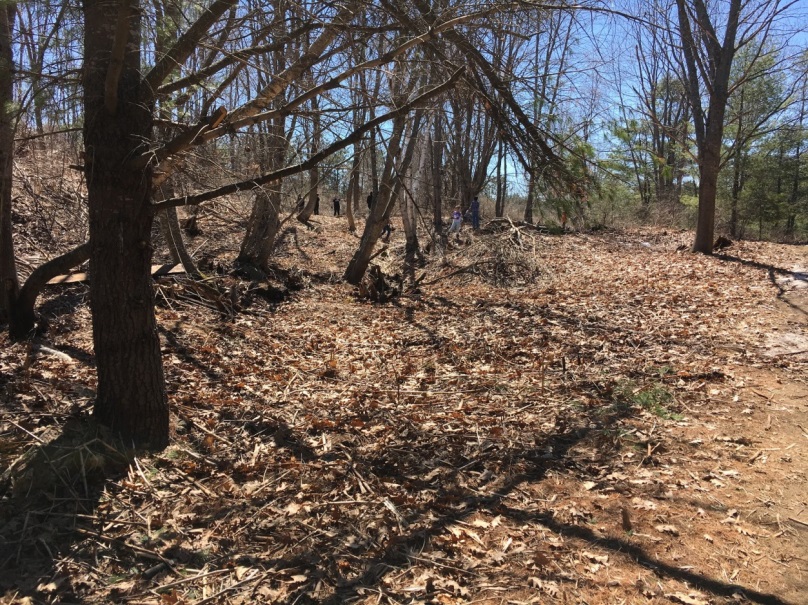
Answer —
591 418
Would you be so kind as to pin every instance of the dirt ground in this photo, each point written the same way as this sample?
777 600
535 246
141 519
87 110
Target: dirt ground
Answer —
582 418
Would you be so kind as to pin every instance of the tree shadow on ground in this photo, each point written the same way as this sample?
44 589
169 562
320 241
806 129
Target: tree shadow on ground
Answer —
772 271
38 532
401 553
44 495
186 354
455 503
440 471
69 299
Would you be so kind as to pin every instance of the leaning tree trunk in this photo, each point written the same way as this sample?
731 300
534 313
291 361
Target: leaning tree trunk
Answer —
22 319
131 397
381 210
352 199
9 284
262 229
172 234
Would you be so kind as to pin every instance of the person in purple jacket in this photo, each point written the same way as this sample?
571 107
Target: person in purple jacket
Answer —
457 221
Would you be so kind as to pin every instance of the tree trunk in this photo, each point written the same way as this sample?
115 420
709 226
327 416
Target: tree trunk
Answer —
499 209
389 190
131 397
313 204
380 213
531 196
410 224
437 182
414 199
172 234
374 162
168 20
354 194
264 225
736 171
9 284
737 186
262 229
709 126
708 187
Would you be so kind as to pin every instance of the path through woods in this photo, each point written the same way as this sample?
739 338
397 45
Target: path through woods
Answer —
592 418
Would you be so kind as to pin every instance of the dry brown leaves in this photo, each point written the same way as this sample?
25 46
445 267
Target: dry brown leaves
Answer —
596 434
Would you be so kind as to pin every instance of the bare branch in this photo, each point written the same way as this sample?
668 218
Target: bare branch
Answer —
277 175
183 48
239 56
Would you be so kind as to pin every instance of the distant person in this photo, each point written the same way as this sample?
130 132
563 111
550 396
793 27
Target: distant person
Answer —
457 221
336 206
370 201
317 205
387 231
474 209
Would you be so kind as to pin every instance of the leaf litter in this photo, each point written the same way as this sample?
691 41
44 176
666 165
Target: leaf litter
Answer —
613 429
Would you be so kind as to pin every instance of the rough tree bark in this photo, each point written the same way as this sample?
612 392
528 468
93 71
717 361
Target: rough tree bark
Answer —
131 397
9 284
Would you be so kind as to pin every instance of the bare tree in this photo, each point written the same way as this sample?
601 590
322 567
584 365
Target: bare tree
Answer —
404 133
664 105
710 38
265 221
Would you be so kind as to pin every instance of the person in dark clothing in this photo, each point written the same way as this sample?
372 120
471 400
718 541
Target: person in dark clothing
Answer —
474 210
317 205
370 202
336 206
